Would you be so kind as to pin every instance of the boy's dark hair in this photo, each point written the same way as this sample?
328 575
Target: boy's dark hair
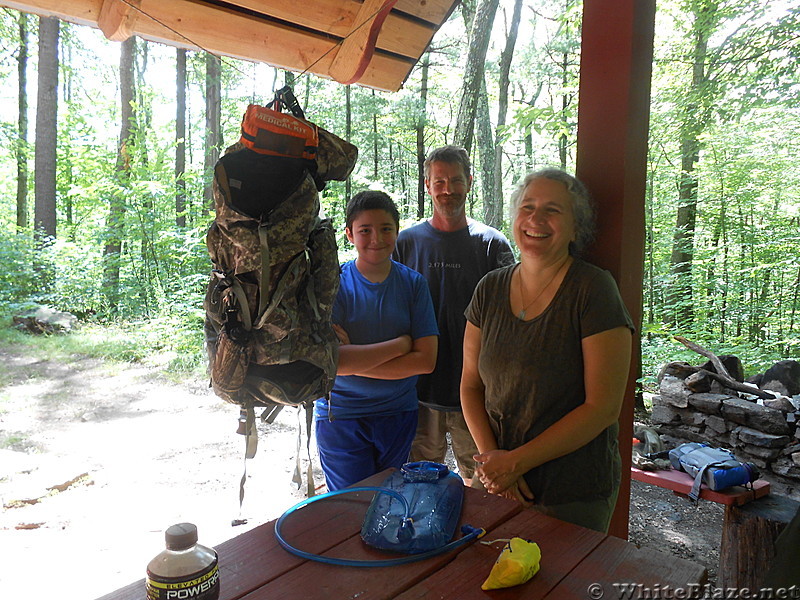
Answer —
371 200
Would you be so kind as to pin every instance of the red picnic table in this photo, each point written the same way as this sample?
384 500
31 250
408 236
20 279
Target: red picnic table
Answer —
576 563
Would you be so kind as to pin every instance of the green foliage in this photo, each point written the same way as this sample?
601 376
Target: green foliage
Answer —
721 81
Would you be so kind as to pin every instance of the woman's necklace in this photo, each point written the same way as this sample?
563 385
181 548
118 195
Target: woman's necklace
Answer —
521 315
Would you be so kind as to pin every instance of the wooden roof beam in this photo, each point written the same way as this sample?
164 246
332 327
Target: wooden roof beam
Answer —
117 19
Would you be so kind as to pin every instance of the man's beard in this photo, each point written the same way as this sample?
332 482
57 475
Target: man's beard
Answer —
452 208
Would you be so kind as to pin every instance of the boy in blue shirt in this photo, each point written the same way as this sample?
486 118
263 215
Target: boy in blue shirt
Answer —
384 317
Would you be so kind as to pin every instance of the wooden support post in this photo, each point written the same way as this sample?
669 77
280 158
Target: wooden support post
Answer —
748 540
613 122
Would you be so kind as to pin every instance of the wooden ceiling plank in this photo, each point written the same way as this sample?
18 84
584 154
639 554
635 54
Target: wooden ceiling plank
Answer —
239 36
399 34
356 50
319 14
432 11
117 19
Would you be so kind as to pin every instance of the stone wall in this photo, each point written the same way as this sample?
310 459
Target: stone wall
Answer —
764 433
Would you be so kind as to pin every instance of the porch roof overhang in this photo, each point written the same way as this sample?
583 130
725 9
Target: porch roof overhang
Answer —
374 43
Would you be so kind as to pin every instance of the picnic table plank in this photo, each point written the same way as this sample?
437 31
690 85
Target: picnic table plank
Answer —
617 565
319 580
563 546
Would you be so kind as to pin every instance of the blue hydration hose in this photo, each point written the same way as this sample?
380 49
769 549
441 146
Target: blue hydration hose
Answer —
470 533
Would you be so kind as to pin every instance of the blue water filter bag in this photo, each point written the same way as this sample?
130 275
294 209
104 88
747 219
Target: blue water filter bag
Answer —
434 495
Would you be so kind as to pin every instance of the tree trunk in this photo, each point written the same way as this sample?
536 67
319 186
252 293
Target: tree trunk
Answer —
485 147
348 131
144 108
496 218
46 129
115 226
686 219
480 33
22 124
213 121
66 162
528 133
794 309
375 160
649 247
683 237
180 138
422 118
565 100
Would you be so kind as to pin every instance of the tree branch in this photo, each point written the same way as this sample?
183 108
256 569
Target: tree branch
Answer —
722 374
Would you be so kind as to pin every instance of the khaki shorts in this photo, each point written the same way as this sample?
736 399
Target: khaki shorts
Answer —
430 442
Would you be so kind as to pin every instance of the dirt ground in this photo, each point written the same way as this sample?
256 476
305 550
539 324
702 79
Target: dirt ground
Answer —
97 459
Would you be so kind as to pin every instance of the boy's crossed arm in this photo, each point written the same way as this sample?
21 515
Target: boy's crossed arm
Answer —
397 358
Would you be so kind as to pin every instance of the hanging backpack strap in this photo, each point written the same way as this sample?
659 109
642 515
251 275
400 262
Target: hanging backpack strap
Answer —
263 284
247 427
297 476
244 307
310 489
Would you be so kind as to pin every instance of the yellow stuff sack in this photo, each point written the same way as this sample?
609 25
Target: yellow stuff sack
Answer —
517 563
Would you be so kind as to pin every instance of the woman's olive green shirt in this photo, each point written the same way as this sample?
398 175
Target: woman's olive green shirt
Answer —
533 375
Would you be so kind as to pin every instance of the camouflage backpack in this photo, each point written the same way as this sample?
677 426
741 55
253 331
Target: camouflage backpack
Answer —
275 265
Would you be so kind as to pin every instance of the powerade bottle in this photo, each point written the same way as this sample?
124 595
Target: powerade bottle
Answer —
185 569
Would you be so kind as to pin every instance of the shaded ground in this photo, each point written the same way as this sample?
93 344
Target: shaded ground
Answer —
96 460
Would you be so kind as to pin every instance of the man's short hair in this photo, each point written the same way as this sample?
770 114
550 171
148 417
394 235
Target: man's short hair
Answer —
371 200
449 154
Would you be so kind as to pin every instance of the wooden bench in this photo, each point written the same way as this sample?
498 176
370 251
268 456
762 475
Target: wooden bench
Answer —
681 483
753 521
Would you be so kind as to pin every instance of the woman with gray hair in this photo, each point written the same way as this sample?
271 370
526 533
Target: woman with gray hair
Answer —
546 357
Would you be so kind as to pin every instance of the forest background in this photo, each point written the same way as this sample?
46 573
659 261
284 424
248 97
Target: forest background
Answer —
106 151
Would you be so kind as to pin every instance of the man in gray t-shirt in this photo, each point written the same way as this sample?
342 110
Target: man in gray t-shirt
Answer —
453 253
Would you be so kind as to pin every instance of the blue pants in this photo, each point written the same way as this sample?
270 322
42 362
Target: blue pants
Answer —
352 449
